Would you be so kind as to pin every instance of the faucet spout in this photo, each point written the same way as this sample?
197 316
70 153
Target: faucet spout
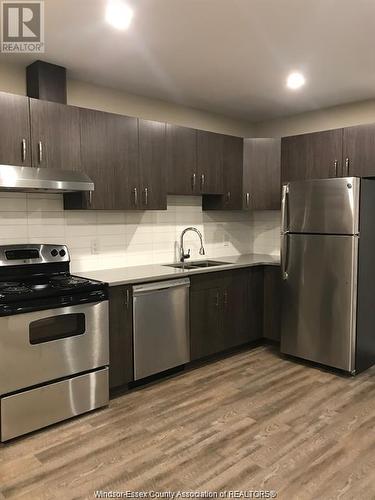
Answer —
184 255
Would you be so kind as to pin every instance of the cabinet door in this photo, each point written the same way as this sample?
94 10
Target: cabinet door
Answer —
272 303
55 135
255 302
232 176
181 159
110 158
312 156
120 336
206 314
14 130
152 163
235 309
262 170
232 172
210 162
359 151
205 322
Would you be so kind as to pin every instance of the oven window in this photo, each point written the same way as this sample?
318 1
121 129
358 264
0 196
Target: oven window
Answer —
56 327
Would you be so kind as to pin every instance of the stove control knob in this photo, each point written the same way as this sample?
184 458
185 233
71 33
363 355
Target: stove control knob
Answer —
54 252
62 253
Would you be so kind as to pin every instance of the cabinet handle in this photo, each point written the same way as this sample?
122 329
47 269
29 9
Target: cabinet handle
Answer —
347 165
193 181
40 152
146 196
228 196
202 181
217 299
135 192
247 200
225 298
127 298
336 163
23 150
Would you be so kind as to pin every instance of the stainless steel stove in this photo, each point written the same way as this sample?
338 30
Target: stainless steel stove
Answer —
53 339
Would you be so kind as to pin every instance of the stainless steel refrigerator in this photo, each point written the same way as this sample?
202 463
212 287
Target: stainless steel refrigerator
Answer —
328 271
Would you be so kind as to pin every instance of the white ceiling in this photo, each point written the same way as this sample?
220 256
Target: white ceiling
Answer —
227 56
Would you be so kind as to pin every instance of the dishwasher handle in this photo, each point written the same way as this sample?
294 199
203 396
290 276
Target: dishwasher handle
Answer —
160 285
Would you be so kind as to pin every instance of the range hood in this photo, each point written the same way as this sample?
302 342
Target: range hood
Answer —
29 179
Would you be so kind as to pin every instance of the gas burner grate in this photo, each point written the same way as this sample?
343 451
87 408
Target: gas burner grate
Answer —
67 281
7 284
15 289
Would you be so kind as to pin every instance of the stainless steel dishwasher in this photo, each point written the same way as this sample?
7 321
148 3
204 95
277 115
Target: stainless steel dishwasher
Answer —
160 326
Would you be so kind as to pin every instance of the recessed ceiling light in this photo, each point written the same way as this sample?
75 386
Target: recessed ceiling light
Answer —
119 14
295 81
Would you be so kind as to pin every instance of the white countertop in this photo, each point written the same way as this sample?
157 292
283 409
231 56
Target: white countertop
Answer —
142 274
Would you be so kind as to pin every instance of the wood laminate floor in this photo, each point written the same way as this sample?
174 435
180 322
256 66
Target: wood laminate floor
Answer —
251 421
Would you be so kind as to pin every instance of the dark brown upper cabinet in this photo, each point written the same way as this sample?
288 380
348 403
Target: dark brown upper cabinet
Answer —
152 166
109 156
232 199
251 175
14 130
312 156
232 172
55 135
181 159
262 159
209 178
359 151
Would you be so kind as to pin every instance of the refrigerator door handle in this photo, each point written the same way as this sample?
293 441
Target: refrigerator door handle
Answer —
284 255
284 208
284 231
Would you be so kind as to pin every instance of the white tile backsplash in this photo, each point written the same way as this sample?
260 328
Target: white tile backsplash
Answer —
105 239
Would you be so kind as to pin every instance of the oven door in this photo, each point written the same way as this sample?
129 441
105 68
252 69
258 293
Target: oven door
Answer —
41 346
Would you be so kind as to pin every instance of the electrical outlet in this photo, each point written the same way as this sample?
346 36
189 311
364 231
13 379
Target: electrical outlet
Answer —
94 247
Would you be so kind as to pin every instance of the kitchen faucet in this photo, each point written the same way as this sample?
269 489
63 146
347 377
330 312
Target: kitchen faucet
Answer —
184 255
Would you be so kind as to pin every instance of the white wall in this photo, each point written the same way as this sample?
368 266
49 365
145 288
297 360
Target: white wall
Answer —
107 239
345 115
104 99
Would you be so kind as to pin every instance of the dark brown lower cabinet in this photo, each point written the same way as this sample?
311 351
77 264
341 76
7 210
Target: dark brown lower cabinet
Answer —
226 310
272 303
255 302
120 336
205 319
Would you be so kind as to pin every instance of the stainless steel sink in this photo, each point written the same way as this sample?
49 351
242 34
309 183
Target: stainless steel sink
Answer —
197 264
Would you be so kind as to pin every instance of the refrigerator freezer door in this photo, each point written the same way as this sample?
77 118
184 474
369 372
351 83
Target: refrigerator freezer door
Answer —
325 206
319 299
